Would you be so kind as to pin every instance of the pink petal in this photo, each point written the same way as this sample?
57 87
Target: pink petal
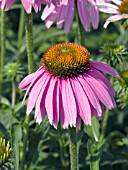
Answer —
78 122
69 103
40 111
38 74
47 11
49 100
117 17
26 81
83 14
105 82
82 102
56 104
100 91
62 12
69 15
90 94
94 14
35 92
104 67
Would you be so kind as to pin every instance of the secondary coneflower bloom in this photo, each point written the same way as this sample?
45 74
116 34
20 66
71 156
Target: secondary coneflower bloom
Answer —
118 8
28 4
63 13
4 152
69 86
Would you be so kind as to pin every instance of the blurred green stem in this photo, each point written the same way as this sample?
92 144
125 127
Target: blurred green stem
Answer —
2 61
61 143
104 124
80 35
94 153
20 33
73 149
29 41
13 93
30 53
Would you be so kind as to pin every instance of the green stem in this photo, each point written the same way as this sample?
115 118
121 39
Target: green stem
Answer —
2 62
104 124
29 41
20 33
25 142
61 144
13 93
30 53
73 149
94 165
94 153
80 30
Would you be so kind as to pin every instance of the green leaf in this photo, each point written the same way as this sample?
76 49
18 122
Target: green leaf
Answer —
16 136
7 119
39 133
19 106
4 131
4 100
93 130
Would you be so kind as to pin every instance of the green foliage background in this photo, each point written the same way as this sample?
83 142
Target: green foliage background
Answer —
47 147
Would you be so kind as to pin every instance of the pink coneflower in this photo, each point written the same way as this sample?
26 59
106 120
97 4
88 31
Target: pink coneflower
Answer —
63 13
119 10
69 87
28 4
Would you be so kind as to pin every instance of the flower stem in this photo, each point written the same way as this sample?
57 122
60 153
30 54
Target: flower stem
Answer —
20 33
13 93
2 62
104 124
80 30
73 149
30 53
61 144
29 41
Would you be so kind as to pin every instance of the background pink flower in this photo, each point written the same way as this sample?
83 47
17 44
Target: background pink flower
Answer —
118 8
69 87
27 4
63 14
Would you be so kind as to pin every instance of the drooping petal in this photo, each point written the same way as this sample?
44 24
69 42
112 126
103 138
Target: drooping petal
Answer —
62 12
56 106
78 122
38 76
104 67
90 94
69 13
40 111
104 81
70 112
49 100
35 92
84 14
47 11
94 14
82 101
100 91
26 81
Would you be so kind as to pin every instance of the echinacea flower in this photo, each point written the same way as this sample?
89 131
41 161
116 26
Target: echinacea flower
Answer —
27 4
69 86
118 8
63 14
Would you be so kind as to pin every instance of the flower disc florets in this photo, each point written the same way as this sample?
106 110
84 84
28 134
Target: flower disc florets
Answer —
66 60
123 8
